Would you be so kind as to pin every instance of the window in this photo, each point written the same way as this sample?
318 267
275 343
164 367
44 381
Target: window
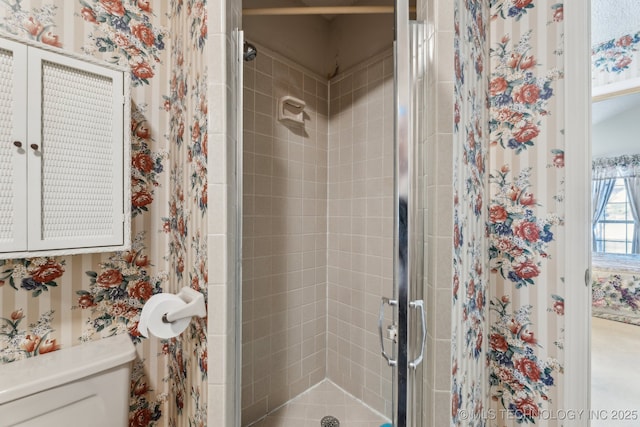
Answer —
614 231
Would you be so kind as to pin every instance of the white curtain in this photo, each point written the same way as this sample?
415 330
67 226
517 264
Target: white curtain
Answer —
632 185
600 193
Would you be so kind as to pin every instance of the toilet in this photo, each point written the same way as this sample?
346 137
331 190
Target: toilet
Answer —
79 386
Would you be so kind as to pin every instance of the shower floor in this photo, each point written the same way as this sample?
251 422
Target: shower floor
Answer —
324 399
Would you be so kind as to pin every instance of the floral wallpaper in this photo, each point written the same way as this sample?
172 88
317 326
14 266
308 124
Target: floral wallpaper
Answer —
124 31
518 97
519 240
19 341
520 377
615 60
47 304
615 55
36 23
186 223
36 275
525 210
508 303
146 164
116 294
470 276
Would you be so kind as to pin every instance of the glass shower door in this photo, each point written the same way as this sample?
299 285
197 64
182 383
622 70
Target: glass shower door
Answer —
408 328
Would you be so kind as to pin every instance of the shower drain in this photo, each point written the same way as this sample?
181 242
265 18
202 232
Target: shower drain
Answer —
329 421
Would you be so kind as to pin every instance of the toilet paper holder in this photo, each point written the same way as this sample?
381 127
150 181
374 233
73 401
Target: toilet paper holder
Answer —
195 306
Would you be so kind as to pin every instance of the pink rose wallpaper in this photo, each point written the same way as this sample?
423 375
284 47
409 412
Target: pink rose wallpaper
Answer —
86 297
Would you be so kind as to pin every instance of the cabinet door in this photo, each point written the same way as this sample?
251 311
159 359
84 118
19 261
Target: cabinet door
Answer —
13 143
75 153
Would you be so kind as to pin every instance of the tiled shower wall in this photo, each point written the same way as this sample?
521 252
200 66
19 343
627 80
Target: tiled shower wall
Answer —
284 236
360 233
299 184
439 228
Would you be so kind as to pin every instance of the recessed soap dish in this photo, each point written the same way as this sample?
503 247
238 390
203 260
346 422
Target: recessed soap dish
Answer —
291 109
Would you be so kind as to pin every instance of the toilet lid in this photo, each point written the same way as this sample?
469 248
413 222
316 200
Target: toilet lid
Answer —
28 376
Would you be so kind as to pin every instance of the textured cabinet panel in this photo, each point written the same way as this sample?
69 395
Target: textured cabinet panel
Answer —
13 174
7 178
77 153
68 180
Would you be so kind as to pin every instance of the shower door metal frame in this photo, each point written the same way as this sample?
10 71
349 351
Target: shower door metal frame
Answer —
410 68
402 203
416 215
238 37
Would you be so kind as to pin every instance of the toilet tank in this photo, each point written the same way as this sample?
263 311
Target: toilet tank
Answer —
79 386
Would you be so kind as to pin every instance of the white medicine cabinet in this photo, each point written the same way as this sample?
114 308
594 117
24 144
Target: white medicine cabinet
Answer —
64 153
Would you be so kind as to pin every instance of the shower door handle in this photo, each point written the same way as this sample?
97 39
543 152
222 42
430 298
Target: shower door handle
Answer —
391 302
419 304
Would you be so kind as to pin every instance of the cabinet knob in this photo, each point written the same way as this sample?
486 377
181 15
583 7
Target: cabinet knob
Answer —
17 144
34 147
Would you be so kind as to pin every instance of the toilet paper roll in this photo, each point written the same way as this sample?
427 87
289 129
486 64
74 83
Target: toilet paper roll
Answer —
154 310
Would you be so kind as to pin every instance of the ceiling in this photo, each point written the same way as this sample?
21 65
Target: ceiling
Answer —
252 4
613 107
323 3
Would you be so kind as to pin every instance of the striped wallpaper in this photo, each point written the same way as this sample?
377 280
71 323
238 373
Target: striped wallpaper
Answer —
48 304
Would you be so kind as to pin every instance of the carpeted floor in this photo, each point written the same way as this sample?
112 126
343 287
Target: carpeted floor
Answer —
615 377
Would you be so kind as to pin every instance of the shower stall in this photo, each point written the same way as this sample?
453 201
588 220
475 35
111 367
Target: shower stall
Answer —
332 218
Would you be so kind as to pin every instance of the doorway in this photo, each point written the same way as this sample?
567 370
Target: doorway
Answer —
321 216
615 261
